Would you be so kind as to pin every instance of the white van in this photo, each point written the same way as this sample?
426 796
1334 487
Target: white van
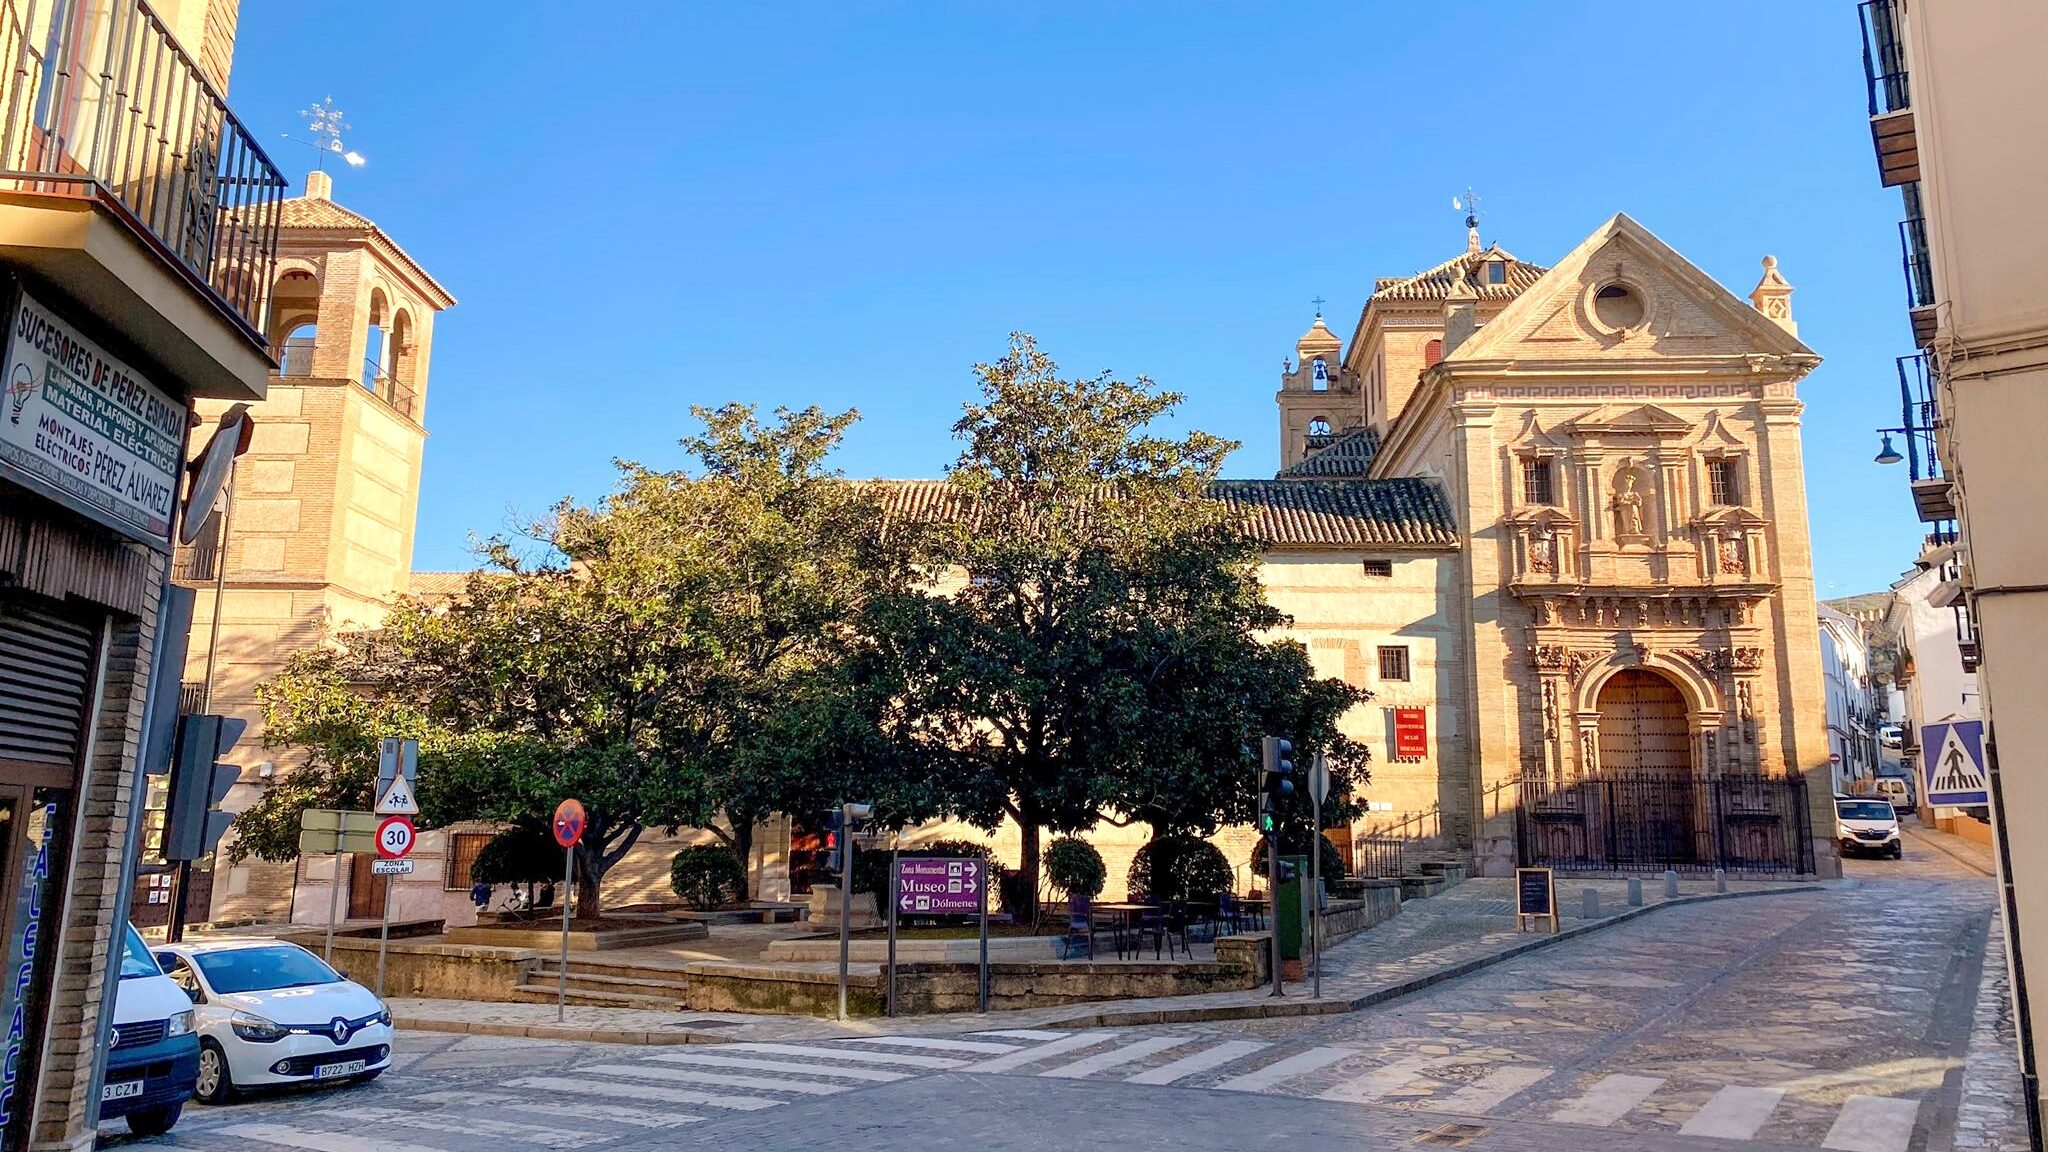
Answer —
1895 789
152 1049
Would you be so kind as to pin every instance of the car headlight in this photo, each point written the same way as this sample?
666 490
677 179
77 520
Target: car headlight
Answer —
179 1025
384 1014
252 1027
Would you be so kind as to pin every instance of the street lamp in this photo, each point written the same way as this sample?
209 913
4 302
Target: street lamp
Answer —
1886 454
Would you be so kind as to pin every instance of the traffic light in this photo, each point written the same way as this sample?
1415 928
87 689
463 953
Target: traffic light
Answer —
1276 779
193 823
835 841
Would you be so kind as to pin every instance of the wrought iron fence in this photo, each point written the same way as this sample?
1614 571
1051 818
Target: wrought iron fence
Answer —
1920 416
102 103
1686 823
1918 265
1884 57
1377 857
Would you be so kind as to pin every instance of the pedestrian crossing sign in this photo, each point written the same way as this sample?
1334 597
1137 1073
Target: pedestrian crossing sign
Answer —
1952 763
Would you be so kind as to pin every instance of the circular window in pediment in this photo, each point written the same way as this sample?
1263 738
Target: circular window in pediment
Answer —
1618 306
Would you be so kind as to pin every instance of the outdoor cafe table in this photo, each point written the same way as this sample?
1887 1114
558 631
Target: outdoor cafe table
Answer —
1125 914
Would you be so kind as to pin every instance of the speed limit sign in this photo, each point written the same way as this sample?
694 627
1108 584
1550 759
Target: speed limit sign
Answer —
394 838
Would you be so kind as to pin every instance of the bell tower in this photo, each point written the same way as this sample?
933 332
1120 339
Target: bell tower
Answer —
321 510
1318 398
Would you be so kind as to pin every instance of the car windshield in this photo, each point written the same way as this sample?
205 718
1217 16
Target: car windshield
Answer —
136 960
1864 810
261 969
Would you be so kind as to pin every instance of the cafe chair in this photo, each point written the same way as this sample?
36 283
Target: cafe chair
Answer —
1080 932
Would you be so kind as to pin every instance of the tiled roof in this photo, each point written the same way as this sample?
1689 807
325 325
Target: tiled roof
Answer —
1435 283
1349 453
437 585
314 212
1399 513
317 213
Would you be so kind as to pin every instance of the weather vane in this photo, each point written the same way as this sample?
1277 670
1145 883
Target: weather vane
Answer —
325 125
1469 205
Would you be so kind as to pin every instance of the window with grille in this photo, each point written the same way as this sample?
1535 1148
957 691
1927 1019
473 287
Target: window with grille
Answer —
1379 567
1724 483
1537 486
463 848
1393 662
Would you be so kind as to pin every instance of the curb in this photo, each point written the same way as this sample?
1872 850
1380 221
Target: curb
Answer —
1402 988
557 1032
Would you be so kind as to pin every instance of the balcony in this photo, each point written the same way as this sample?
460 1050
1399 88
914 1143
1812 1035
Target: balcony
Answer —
1891 97
110 112
1920 423
294 356
1918 266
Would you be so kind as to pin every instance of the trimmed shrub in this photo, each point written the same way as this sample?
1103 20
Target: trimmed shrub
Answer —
1074 868
1179 868
708 876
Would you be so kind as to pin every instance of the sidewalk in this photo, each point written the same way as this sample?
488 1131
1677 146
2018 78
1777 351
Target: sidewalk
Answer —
1968 853
1467 928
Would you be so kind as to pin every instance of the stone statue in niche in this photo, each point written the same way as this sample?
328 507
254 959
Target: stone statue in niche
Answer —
1731 555
1628 508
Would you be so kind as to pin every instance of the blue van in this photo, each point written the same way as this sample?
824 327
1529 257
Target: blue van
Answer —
152 1050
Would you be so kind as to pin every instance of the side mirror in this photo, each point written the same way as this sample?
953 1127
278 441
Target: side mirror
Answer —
193 993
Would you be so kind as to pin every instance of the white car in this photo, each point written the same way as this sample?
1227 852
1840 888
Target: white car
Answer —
271 1013
1863 824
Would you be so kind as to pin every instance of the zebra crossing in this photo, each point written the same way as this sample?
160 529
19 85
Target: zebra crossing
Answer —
618 1096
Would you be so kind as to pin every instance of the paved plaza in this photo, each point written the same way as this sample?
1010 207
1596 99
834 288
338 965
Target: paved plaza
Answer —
1837 1017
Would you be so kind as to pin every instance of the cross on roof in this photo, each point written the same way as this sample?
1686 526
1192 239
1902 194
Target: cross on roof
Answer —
1318 302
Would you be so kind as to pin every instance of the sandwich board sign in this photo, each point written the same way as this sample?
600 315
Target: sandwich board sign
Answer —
1952 763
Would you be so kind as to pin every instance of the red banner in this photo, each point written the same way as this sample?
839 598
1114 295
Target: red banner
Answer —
1411 734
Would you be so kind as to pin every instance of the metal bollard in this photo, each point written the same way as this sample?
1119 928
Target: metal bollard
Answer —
1635 892
1720 880
1589 902
1671 884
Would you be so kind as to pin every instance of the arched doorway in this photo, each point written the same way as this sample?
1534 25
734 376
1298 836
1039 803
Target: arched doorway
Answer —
1643 728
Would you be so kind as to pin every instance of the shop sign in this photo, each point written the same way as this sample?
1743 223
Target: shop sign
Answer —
86 429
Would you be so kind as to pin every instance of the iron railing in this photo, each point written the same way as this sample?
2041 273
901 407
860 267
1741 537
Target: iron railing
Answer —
294 356
1654 822
199 562
1884 57
1377 857
1919 417
1918 265
101 103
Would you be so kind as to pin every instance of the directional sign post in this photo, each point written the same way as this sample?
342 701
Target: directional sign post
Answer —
569 822
334 831
937 886
895 883
1952 764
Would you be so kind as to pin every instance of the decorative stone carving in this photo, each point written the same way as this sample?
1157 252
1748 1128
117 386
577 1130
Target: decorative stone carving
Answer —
1551 655
1642 613
1543 551
1642 652
1713 744
1712 661
1550 710
1589 751
1732 561
1743 710
1628 508
1746 659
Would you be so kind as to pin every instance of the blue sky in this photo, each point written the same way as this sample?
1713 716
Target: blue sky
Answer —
849 204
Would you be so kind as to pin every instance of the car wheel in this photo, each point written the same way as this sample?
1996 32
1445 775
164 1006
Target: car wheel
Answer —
1899 852
366 1077
154 1121
216 1084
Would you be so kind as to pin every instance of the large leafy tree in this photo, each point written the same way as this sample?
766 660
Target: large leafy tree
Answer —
1093 650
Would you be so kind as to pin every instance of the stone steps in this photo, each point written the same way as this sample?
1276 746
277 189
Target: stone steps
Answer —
546 992
618 985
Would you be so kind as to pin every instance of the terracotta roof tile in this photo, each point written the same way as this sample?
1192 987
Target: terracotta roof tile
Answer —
1397 513
1349 453
1435 283
318 214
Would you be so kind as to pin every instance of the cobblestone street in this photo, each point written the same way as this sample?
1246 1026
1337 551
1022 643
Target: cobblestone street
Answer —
1837 1018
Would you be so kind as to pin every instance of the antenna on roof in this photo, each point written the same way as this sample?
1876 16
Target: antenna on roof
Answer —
1469 205
325 125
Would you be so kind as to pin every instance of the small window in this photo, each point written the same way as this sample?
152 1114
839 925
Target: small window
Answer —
1320 376
1393 662
1537 486
1724 482
1319 427
1496 272
1380 568
1432 352
1618 306
463 849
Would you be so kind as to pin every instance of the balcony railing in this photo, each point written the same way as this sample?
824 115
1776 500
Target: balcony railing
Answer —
1884 57
294 356
1919 266
104 105
1920 416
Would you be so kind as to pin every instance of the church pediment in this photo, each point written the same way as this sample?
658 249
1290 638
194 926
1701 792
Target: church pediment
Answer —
1623 420
1623 294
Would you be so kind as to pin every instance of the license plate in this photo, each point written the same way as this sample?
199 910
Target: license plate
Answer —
345 1068
121 1091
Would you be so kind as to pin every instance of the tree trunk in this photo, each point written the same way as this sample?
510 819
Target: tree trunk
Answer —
1027 863
589 881
743 847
